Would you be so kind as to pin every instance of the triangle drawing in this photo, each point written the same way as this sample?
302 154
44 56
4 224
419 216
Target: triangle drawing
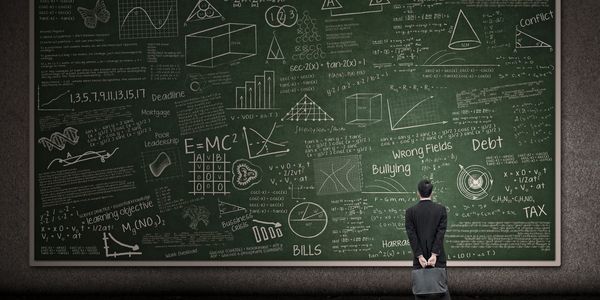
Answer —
463 36
227 208
306 110
379 2
203 11
275 49
524 40
331 4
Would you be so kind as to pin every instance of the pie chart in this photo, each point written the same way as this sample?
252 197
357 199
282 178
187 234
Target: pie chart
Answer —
307 220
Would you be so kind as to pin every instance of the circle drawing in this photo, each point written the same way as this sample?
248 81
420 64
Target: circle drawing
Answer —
307 220
474 182
285 16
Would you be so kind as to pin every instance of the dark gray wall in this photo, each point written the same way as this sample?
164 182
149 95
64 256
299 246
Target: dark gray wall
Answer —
580 203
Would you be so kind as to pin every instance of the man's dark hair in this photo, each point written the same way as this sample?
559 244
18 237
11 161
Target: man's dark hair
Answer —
425 188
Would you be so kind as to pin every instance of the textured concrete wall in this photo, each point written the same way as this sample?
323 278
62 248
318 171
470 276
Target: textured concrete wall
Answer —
580 203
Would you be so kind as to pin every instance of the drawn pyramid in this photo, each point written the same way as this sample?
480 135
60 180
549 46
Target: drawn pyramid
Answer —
227 208
306 110
203 11
331 4
524 40
275 49
379 2
463 36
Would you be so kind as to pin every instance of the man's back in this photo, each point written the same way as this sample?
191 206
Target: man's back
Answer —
425 226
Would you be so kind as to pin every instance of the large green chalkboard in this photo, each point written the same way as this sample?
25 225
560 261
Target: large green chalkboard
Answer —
168 132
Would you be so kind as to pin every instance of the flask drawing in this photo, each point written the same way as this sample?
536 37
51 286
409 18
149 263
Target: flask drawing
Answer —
161 162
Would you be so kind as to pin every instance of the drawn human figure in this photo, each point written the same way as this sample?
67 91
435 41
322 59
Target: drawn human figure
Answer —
426 224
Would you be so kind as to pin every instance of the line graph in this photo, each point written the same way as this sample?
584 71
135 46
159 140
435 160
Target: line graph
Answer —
56 98
140 19
385 185
102 155
159 27
54 104
421 114
128 251
263 145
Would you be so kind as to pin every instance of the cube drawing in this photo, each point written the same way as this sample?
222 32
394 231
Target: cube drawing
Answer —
363 109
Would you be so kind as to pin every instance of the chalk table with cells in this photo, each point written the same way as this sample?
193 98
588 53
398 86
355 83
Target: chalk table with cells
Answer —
210 174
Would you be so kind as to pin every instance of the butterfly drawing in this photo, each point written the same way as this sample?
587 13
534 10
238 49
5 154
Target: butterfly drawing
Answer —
92 16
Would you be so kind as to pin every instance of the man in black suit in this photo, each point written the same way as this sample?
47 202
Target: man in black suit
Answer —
425 224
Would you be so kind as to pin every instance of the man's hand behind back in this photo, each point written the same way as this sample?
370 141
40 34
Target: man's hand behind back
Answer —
432 260
422 261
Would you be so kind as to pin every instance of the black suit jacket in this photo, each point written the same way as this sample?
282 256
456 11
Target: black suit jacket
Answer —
426 224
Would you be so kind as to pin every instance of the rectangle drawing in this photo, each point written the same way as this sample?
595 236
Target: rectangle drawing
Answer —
220 45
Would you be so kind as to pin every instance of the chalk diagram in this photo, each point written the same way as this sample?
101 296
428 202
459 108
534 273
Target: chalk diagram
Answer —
308 39
307 220
307 29
228 208
421 114
109 238
54 104
275 52
245 174
295 195
196 215
474 182
266 230
161 164
286 16
142 19
59 140
203 11
463 35
257 94
524 40
93 15
363 109
197 83
210 174
220 45
338 175
336 9
446 58
385 185
306 110
102 155
259 145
